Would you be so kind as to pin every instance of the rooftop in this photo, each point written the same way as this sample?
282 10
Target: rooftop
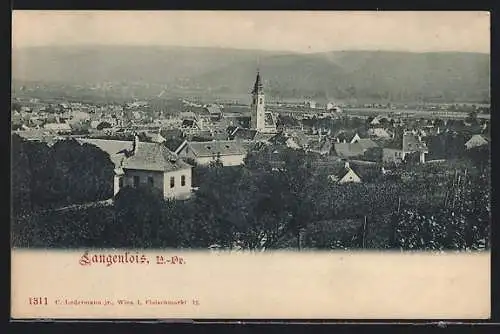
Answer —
257 87
216 147
154 157
349 150
149 156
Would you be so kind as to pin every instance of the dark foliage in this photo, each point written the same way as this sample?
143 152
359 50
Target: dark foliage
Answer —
262 205
65 173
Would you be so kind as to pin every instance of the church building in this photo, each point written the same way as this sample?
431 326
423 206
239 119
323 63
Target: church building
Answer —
260 119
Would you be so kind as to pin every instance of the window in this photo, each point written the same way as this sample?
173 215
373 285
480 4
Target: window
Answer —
172 182
151 181
120 182
183 180
136 181
260 101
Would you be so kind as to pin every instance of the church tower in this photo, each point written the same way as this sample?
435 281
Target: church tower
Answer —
257 108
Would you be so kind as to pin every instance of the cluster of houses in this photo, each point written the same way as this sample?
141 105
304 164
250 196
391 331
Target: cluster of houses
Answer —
209 135
63 118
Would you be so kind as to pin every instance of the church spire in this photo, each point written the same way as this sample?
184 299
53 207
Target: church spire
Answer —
257 87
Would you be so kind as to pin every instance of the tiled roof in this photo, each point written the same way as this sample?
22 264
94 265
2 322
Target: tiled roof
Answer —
231 128
220 135
476 140
57 126
202 134
220 147
187 115
169 133
149 156
188 123
245 134
154 157
278 139
367 143
298 137
213 109
379 132
259 136
323 147
349 150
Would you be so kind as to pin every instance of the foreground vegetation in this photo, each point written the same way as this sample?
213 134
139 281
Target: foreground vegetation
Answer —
256 206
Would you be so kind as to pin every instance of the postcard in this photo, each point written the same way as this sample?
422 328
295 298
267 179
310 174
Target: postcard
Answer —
250 165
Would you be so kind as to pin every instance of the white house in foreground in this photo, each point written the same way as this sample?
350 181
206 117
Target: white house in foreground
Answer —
147 164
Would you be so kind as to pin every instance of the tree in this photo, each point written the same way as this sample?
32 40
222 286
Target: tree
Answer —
81 173
66 173
21 176
374 154
471 117
173 143
15 106
438 122
138 218
103 125
412 158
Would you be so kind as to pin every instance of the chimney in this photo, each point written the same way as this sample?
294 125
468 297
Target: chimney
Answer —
136 144
346 165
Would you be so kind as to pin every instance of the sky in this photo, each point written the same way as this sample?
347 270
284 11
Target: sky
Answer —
295 31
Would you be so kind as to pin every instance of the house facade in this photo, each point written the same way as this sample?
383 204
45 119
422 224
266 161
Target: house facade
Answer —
392 155
173 184
410 144
350 177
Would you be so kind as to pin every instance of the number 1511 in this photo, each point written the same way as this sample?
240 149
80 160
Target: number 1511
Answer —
38 301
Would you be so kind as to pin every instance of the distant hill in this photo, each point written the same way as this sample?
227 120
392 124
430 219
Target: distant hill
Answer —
375 75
